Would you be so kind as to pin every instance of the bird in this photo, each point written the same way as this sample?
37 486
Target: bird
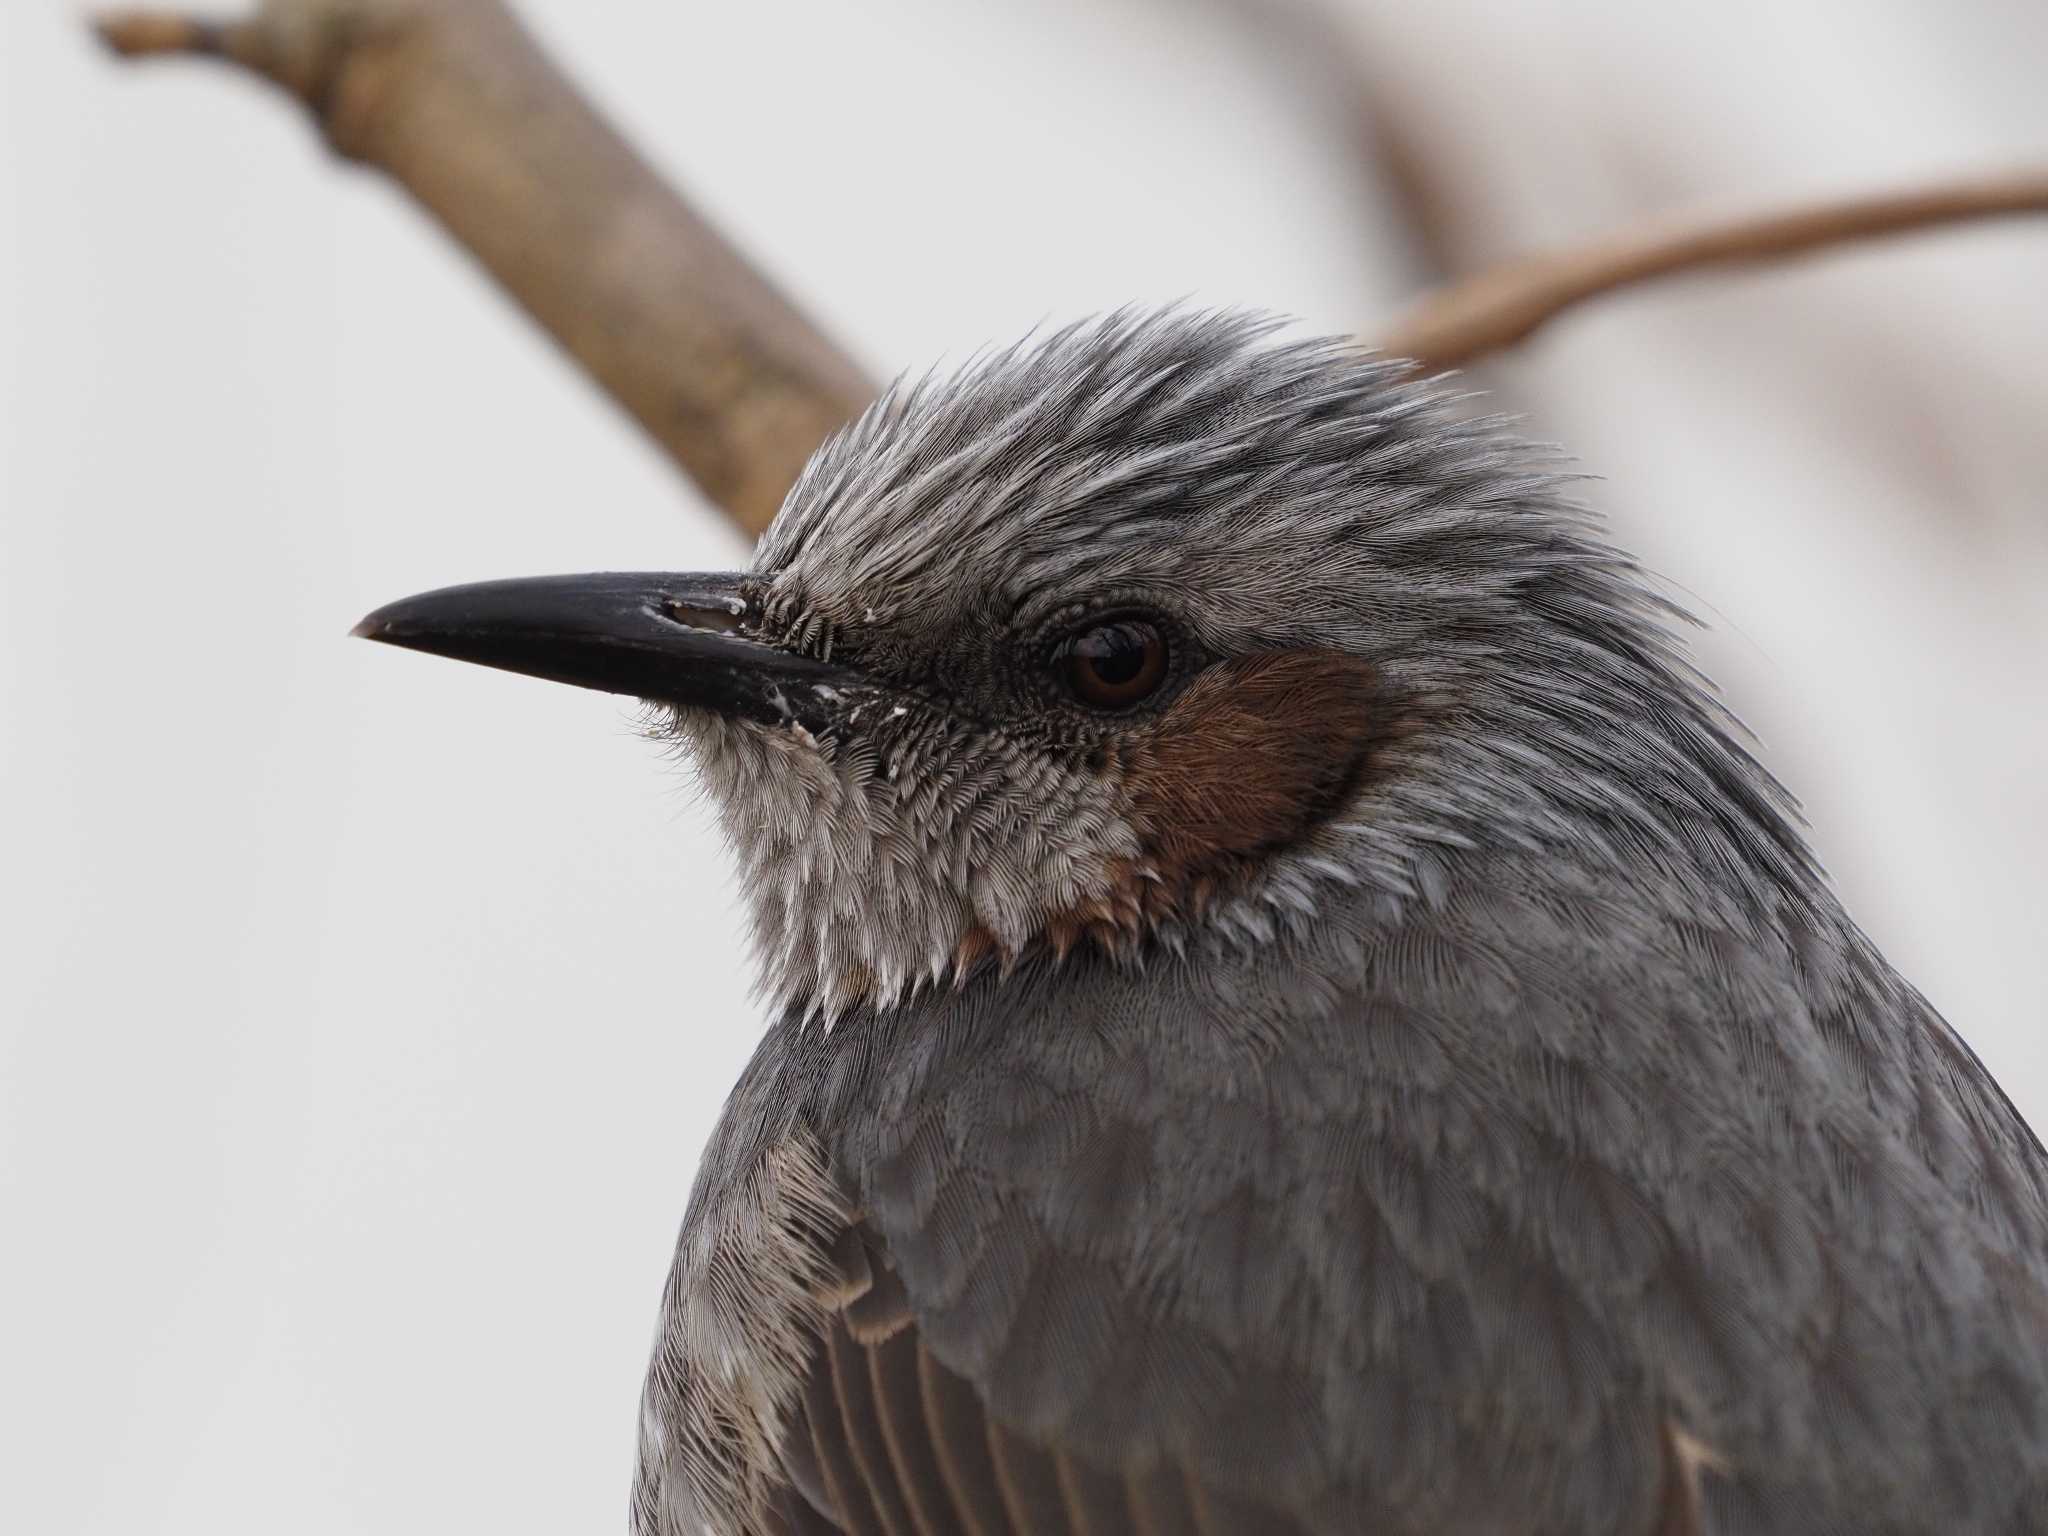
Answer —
1293 1008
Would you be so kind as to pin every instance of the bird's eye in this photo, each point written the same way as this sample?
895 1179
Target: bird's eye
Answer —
1115 665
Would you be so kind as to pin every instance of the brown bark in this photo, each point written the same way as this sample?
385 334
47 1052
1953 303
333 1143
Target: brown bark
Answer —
454 101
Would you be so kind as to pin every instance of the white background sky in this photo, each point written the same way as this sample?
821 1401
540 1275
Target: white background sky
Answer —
361 1015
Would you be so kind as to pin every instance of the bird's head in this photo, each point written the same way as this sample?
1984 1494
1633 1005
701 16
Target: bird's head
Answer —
1156 632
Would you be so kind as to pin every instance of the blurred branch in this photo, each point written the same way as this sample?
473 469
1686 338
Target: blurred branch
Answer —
1494 309
454 100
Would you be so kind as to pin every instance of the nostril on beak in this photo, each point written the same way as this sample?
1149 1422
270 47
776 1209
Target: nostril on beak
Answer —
722 618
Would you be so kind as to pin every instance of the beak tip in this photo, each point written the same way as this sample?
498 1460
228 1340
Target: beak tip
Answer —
392 624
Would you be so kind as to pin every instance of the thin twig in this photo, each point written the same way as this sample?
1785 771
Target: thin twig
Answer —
1496 308
453 100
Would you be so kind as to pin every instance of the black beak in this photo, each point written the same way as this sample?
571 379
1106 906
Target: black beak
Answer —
673 639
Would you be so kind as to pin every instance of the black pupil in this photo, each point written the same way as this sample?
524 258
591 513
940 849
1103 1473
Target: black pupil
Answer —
1116 655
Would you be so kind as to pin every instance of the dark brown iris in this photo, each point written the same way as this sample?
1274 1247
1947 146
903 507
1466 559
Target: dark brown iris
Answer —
1115 665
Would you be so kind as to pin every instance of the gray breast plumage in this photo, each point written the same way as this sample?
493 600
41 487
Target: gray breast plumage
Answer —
1547 1203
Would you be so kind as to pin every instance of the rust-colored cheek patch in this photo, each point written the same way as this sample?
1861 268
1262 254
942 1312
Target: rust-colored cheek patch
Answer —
1254 755
1251 757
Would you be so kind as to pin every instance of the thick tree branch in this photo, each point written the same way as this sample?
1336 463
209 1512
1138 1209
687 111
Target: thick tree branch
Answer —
453 99
1496 308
